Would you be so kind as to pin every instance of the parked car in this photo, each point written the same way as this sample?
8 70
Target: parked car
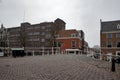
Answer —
117 59
97 55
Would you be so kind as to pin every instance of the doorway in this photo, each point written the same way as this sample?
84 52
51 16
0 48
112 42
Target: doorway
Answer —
109 57
117 53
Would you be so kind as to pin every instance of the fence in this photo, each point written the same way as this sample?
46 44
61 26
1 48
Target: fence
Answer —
42 50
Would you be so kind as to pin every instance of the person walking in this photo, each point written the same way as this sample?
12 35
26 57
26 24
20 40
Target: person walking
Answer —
113 65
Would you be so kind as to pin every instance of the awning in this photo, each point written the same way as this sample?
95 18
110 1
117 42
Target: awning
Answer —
73 50
17 48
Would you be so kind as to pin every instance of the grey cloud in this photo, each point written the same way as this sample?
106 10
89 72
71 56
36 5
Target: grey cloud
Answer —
78 14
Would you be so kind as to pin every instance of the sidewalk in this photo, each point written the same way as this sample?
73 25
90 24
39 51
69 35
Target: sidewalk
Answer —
103 65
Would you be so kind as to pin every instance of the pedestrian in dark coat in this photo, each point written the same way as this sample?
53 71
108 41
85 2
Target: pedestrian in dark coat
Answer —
113 65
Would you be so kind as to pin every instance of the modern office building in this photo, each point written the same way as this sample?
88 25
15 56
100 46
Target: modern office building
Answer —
34 37
110 39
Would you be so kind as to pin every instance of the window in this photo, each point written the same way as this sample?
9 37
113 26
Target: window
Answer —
37 39
109 44
118 44
73 44
43 27
30 33
15 35
29 28
48 36
48 25
57 36
36 33
42 40
30 40
118 35
59 44
36 27
118 26
73 35
43 33
109 35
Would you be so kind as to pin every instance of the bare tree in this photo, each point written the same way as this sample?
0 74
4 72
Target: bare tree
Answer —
54 38
22 36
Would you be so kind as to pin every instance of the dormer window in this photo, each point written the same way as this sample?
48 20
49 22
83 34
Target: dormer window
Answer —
73 35
118 44
118 26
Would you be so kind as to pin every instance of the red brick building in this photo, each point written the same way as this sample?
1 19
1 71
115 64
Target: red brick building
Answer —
71 40
110 39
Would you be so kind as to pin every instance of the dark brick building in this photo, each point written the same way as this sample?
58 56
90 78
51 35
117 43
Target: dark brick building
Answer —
33 37
110 39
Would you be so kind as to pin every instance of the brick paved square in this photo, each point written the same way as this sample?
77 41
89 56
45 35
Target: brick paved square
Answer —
55 67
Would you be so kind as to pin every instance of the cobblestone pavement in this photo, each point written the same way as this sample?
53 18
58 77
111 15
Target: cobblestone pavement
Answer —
56 67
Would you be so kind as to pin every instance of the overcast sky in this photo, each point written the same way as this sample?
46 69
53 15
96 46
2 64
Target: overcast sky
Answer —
78 14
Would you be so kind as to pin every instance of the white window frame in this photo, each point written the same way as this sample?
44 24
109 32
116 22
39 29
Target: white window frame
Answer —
118 26
118 35
72 44
43 33
43 27
42 40
30 33
117 53
117 44
74 35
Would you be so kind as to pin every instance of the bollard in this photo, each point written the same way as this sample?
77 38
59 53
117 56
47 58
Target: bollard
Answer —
113 65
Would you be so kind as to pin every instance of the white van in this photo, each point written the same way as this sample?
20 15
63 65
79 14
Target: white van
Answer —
1 54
